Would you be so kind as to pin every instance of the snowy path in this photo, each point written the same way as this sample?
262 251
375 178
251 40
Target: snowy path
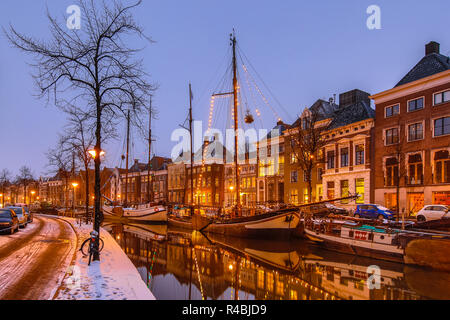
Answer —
113 278
34 260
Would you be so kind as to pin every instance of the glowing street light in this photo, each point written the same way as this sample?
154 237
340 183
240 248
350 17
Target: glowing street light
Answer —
93 153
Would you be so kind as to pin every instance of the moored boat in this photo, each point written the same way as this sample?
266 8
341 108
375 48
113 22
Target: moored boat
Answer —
149 213
427 249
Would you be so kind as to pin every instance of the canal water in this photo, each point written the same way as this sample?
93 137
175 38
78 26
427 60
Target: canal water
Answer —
182 265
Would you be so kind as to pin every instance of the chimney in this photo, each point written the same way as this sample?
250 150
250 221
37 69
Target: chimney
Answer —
432 47
136 161
352 97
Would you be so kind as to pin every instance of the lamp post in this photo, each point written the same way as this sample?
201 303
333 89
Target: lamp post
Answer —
3 199
32 196
74 185
96 154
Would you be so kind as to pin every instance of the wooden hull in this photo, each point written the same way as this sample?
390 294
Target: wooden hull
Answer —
152 215
357 247
277 225
432 253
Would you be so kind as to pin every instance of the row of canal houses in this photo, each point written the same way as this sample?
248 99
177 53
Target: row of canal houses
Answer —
399 151
402 147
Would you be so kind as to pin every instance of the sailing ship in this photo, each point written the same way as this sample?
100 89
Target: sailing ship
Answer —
147 212
281 223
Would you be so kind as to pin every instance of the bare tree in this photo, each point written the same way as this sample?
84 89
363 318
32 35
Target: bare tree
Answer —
60 164
24 178
306 141
5 181
78 139
93 64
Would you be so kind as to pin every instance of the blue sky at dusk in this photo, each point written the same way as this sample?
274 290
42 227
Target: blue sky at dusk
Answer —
304 50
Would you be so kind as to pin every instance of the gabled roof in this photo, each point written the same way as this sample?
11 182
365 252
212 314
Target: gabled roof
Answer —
352 113
324 110
430 64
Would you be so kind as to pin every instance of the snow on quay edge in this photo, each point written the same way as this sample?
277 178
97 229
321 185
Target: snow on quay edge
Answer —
114 277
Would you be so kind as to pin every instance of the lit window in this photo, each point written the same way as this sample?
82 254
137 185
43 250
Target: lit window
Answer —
359 189
344 190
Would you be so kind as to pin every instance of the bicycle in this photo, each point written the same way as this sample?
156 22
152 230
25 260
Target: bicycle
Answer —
88 250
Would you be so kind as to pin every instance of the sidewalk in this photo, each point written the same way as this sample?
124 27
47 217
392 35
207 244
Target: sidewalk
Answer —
114 277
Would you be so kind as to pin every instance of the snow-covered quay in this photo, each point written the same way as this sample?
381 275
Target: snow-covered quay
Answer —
114 277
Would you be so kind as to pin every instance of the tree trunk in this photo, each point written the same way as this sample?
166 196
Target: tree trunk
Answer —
97 213
86 166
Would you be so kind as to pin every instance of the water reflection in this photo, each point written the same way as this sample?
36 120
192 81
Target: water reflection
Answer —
177 264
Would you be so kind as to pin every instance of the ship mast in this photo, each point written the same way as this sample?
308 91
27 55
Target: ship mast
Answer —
192 153
235 113
128 147
149 191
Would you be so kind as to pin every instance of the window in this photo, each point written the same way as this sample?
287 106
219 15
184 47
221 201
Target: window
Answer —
359 154
305 176
391 136
344 190
344 157
305 123
415 132
416 104
294 196
415 169
293 158
305 195
330 190
330 160
294 176
392 111
442 97
391 178
442 126
442 167
359 189
319 173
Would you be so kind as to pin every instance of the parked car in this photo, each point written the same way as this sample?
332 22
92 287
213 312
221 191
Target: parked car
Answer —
433 212
8 221
373 211
336 210
316 210
21 215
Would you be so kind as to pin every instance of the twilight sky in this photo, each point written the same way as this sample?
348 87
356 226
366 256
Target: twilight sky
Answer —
304 50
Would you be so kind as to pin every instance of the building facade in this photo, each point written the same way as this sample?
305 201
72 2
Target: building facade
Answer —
348 150
412 136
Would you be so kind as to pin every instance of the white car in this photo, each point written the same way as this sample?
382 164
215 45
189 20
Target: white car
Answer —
433 212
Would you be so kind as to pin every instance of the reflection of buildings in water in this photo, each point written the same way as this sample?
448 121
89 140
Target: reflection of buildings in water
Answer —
219 272
350 281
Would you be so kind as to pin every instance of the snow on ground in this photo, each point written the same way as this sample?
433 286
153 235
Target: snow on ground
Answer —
114 277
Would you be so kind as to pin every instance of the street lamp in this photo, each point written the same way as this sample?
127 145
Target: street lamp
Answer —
3 200
32 195
74 185
93 153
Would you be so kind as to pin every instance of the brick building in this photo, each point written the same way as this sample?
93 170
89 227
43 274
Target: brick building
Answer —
348 151
295 179
412 136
